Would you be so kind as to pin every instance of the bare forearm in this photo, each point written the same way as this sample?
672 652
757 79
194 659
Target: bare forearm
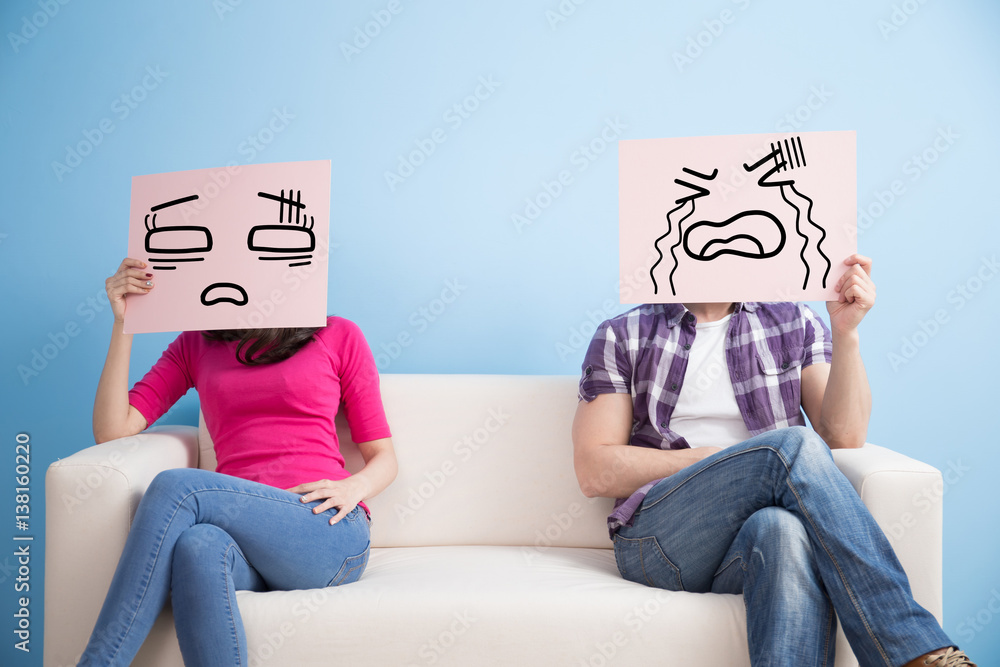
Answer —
377 474
847 403
111 406
616 471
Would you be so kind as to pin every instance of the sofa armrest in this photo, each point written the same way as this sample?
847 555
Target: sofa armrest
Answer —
90 500
905 497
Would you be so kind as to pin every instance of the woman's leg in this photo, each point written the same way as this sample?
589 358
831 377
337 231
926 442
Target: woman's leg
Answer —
790 619
288 545
208 568
688 522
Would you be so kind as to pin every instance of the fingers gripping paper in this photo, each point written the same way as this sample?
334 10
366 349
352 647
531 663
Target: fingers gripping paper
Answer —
231 248
756 217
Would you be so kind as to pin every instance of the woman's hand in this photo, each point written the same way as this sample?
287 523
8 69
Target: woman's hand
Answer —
344 494
131 278
856 295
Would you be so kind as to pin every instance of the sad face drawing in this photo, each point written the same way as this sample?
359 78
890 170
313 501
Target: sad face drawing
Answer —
240 257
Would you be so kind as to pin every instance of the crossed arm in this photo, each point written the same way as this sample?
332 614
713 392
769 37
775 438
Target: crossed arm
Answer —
836 398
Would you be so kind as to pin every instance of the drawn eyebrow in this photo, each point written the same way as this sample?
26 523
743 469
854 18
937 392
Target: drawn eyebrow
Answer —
173 203
282 200
775 154
699 190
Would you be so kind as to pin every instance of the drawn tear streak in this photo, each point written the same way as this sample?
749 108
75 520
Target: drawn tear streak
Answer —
802 253
819 244
680 237
656 243
699 191
799 161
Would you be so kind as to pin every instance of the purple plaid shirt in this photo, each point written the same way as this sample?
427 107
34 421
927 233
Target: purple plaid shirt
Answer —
644 352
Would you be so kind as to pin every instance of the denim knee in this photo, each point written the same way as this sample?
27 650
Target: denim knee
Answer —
801 444
197 544
170 483
777 532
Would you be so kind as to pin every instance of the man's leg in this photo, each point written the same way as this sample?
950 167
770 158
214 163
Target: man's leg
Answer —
790 619
688 522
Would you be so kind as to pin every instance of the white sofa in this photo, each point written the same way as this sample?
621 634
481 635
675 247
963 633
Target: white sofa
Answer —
485 552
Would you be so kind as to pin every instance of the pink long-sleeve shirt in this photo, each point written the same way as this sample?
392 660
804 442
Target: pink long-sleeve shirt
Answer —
273 424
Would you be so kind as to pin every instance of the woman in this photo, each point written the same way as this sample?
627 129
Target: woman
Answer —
280 513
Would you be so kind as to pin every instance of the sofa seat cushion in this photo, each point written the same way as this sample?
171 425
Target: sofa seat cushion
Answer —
450 606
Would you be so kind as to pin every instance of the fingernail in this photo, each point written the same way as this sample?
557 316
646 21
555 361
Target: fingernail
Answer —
149 283
149 275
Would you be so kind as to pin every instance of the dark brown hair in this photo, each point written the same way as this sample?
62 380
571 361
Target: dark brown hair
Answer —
264 346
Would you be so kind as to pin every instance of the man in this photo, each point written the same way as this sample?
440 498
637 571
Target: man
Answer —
698 411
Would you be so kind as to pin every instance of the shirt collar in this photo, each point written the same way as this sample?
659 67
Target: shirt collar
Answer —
674 312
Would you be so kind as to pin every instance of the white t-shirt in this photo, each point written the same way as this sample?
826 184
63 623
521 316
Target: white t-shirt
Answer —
706 413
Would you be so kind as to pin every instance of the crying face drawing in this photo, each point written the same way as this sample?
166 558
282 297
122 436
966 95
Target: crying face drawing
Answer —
772 216
247 252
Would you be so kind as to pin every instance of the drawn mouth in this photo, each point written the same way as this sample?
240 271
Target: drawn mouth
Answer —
752 234
224 293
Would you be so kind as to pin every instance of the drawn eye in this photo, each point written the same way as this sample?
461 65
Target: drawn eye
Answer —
281 238
180 239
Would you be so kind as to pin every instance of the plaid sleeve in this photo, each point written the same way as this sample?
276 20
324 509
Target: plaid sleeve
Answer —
818 343
606 366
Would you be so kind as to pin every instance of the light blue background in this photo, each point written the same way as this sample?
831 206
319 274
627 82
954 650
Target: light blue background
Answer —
528 296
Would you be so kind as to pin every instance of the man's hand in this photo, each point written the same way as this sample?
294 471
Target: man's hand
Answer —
856 293
344 494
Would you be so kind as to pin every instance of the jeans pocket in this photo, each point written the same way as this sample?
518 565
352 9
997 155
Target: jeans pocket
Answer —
352 569
641 560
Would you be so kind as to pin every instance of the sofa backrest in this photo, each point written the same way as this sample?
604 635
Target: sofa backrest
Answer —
483 460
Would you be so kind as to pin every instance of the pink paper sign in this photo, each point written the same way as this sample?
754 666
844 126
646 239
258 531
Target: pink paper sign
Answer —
753 217
231 248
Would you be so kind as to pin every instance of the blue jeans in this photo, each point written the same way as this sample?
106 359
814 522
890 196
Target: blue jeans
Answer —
773 518
199 537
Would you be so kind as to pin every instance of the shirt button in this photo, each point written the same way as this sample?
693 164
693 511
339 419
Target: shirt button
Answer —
674 386
784 365
663 424
687 346
588 371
